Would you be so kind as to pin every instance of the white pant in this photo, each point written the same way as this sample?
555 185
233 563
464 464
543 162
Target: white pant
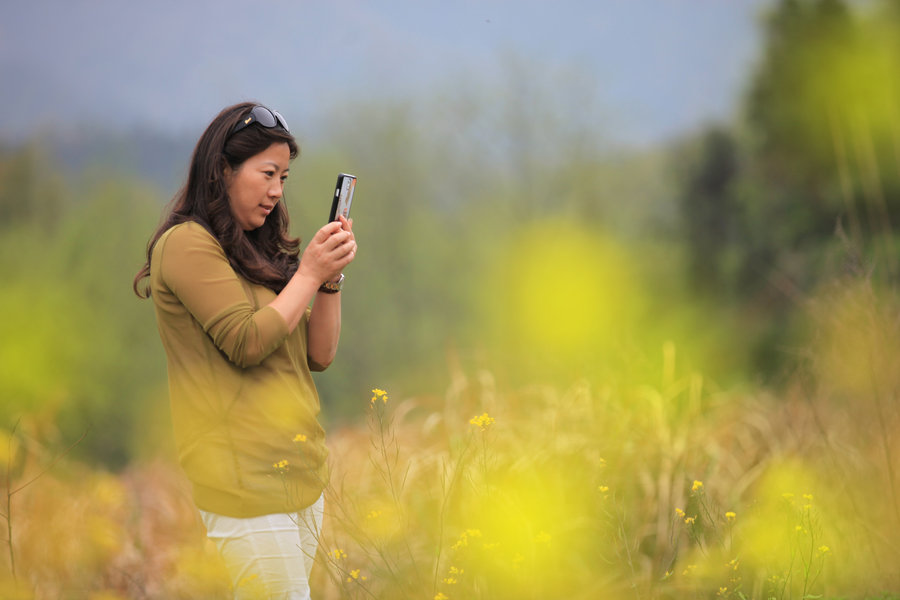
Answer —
269 556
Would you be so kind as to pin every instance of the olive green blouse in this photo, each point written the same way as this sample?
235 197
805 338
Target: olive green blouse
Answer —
244 405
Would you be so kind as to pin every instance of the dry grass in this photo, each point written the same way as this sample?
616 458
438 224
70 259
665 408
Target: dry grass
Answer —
674 489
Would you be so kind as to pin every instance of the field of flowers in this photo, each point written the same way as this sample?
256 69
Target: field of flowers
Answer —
672 488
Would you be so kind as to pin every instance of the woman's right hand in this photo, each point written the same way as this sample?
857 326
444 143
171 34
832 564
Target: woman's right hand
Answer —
331 249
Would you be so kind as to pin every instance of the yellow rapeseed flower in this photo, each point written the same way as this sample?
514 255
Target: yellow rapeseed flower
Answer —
689 520
730 516
455 571
449 580
824 550
680 513
354 574
373 514
483 421
338 554
698 485
299 438
440 596
379 394
723 591
603 489
282 466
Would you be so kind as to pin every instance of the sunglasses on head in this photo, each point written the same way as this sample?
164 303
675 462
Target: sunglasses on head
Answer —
265 117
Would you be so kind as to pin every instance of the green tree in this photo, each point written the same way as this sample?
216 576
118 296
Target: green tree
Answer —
822 121
709 208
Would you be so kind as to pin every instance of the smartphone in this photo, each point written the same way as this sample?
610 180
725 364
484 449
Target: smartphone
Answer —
343 196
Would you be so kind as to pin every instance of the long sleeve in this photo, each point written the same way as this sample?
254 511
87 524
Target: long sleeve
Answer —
195 270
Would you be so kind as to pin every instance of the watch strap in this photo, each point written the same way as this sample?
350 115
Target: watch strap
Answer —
332 287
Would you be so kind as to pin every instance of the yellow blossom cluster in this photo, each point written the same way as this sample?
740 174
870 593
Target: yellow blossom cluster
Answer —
282 466
379 394
338 554
687 520
463 540
698 486
450 579
483 421
299 438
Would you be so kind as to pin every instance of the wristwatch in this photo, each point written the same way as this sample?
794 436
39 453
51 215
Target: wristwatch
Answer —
332 287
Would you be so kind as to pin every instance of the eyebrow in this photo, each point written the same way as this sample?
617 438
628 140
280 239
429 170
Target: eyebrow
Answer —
276 165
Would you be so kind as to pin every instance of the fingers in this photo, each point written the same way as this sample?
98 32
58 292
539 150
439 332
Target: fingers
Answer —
326 232
332 248
338 239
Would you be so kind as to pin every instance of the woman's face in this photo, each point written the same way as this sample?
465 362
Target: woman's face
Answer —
256 186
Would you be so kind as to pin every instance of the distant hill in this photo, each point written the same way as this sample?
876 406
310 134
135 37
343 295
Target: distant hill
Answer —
154 157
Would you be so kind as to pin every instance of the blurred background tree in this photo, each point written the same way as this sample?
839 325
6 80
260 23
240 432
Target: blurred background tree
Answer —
803 187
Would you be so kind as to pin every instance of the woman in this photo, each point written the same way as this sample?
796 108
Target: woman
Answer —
232 294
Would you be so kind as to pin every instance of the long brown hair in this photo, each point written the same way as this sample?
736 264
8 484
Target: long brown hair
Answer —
267 255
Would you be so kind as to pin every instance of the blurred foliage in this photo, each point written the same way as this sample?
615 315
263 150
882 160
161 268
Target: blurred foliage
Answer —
805 185
507 252
498 230
67 249
665 489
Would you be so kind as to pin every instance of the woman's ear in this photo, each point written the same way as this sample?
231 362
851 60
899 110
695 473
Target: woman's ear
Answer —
227 172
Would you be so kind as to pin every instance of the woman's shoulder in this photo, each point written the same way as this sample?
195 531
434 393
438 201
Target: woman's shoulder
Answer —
188 232
185 236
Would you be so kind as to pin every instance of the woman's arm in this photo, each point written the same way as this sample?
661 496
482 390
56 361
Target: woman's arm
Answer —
325 318
189 268
331 249
324 330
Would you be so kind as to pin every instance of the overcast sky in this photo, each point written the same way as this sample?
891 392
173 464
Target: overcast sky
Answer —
659 67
